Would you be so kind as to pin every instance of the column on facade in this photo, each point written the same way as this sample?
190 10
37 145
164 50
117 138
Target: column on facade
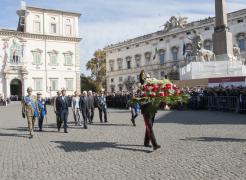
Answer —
7 86
24 84
78 81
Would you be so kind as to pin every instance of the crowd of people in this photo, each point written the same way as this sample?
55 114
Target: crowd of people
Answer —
83 106
228 98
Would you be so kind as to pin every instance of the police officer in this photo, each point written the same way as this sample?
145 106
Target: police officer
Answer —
102 107
29 110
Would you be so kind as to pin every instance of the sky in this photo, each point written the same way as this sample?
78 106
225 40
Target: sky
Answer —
105 22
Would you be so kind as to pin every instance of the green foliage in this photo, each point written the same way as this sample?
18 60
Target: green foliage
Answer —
87 83
97 66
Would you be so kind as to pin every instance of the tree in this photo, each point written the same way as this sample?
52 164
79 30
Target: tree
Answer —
97 66
87 83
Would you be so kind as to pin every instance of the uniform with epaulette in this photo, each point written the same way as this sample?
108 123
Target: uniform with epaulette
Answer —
30 110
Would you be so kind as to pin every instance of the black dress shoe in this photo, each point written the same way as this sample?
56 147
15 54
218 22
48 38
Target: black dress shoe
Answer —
85 127
156 147
65 131
105 121
147 145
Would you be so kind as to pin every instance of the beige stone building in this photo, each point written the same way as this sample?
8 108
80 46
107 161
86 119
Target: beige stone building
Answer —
162 53
42 53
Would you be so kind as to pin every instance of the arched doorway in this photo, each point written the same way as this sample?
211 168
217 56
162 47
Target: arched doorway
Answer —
16 88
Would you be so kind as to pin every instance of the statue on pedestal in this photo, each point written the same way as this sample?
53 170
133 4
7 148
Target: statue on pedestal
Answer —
198 53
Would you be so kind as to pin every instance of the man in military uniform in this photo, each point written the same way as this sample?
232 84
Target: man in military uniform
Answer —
30 110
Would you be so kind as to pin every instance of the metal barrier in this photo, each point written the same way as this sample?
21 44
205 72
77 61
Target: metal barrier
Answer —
218 103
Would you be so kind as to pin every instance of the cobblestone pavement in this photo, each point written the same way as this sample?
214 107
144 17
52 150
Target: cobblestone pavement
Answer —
195 145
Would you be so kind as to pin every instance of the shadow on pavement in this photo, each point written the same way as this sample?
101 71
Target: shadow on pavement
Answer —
107 124
201 117
212 139
69 146
14 135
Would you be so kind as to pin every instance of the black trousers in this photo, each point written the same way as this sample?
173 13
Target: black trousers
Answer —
104 111
40 122
149 133
85 113
58 121
91 114
63 118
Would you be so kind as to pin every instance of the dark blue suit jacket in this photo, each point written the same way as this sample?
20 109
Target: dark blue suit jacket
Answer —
62 105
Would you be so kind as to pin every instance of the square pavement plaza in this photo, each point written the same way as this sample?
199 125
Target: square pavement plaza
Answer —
196 145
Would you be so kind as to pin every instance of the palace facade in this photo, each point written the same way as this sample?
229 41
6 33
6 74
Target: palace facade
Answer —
42 53
162 53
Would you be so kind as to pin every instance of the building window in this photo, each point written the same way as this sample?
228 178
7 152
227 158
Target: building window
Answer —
120 79
37 27
241 44
147 56
38 84
208 44
175 53
240 21
36 58
120 61
37 24
54 84
68 57
138 77
138 60
53 58
68 28
162 73
112 80
53 25
111 65
53 28
241 41
69 84
162 56
128 62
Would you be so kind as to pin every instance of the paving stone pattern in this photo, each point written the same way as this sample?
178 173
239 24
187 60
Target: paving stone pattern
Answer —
196 145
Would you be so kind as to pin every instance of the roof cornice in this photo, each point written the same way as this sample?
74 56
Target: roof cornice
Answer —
37 36
52 10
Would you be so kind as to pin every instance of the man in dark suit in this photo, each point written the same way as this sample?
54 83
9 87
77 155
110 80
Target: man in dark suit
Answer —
91 106
83 105
62 105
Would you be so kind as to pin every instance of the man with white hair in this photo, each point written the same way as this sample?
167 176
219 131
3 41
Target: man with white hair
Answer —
83 104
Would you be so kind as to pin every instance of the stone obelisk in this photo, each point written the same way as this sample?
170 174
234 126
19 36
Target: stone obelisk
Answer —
222 38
